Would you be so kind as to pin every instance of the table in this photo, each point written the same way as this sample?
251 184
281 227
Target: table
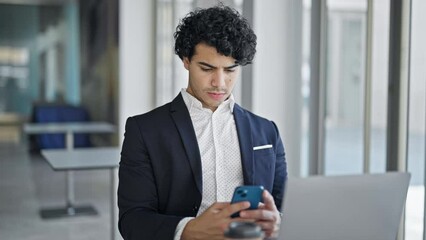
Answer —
87 159
68 128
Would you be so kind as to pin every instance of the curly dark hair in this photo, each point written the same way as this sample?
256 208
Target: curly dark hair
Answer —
221 27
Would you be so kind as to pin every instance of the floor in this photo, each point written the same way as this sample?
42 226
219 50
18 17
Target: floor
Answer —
27 184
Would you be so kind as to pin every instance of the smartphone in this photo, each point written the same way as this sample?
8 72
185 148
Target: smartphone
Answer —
252 194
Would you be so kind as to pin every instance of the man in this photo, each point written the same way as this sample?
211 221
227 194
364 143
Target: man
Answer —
181 162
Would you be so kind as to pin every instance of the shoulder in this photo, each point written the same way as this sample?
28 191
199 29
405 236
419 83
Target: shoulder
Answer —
252 117
260 126
158 117
163 112
155 113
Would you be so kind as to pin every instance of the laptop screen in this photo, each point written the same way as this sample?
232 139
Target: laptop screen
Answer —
346 207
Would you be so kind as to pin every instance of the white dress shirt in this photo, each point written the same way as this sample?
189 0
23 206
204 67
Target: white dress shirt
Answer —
220 152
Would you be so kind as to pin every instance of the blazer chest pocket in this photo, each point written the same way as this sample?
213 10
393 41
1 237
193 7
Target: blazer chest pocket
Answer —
263 154
263 150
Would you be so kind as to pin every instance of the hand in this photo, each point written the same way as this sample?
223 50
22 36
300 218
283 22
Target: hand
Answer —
267 215
213 222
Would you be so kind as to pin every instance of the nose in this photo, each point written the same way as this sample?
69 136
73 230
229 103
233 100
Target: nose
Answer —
219 79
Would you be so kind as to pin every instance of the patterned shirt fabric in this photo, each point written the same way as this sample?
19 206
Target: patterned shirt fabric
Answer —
219 149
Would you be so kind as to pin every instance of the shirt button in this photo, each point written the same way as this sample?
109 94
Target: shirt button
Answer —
195 208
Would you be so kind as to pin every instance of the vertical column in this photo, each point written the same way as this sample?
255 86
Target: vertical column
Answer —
399 52
136 65
72 52
317 87
247 71
51 70
399 78
293 86
276 71
367 87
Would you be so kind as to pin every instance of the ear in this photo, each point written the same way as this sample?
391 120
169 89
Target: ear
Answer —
186 63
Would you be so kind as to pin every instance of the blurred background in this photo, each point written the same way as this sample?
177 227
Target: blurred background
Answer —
344 80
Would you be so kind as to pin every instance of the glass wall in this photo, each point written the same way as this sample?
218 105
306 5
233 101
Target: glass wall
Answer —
20 28
63 52
345 80
38 56
346 84
416 134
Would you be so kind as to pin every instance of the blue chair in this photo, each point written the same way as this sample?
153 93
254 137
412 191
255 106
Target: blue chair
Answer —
59 113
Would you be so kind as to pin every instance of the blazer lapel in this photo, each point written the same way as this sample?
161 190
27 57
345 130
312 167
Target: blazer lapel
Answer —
180 115
246 144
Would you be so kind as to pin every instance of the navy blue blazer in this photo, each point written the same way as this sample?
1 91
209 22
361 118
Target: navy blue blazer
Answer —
160 178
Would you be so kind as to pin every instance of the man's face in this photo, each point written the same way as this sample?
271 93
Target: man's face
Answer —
212 76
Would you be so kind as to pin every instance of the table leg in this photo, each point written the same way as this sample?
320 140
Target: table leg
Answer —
113 195
70 177
70 192
70 209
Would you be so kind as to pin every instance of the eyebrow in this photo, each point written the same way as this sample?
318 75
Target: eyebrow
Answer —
211 66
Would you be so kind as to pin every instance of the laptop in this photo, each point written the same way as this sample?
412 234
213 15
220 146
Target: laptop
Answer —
350 207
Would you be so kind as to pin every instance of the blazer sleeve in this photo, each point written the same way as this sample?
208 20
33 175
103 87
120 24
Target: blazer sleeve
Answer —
280 178
137 191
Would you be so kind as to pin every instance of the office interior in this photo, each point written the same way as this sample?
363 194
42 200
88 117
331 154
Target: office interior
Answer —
344 80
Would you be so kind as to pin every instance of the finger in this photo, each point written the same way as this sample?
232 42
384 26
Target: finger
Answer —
219 205
268 200
260 214
235 207
216 207
238 219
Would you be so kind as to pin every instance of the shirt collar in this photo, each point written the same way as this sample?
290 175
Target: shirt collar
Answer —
192 102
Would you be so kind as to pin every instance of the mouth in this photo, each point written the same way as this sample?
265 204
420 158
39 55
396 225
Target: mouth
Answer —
216 95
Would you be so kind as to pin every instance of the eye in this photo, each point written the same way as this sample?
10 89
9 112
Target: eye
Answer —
230 70
206 69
